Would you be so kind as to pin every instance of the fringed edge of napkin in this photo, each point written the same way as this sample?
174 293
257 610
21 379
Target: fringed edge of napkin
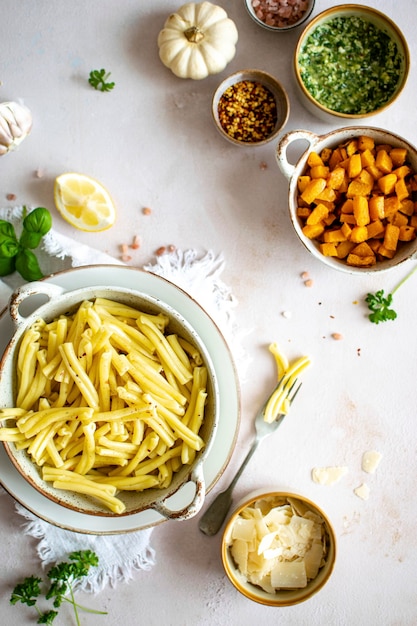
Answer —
119 556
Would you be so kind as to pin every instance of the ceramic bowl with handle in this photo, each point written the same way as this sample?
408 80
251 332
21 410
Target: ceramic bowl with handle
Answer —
48 301
317 143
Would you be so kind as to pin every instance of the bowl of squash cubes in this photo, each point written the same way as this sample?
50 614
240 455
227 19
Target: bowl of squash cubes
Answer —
278 548
353 197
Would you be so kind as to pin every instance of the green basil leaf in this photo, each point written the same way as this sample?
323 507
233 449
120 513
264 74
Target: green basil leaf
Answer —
8 247
30 239
38 221
7 229
27 265
7 266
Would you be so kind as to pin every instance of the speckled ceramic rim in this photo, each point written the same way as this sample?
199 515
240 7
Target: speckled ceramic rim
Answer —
378 19
271 83
281 29
282 597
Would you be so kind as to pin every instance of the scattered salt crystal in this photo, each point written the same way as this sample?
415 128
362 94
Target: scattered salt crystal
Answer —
286 314
337 336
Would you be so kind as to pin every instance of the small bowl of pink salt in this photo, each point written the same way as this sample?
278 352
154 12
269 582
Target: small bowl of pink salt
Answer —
279 15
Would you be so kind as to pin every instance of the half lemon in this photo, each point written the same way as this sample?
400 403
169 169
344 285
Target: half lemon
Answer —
84 202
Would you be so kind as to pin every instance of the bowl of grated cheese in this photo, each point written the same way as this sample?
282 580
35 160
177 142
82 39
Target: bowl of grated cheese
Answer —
278 548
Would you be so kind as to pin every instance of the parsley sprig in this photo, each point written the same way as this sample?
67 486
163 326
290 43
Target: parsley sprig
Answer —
99 80
62 578
379 304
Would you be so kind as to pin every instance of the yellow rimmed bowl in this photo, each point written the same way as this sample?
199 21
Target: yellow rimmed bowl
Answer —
287 596
49 301
250 108
333 83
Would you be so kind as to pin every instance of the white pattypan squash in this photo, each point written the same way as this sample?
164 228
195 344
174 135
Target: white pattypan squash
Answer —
198 40
15 125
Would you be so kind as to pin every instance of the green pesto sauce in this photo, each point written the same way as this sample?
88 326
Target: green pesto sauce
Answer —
350 66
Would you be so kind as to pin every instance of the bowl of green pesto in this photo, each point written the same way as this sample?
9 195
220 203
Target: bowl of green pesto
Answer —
350 62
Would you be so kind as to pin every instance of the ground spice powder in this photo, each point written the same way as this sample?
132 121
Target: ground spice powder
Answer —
248 111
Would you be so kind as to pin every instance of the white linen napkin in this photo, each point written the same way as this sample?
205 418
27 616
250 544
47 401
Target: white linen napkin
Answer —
121 555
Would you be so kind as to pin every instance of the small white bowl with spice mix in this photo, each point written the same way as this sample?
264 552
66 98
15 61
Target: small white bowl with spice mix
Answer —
350 62
279 15
250 108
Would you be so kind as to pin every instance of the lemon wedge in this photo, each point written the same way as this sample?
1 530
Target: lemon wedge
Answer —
84 202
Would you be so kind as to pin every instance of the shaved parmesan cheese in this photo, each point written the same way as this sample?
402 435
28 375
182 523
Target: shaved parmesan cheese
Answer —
328 475
279 543
370 461
362 491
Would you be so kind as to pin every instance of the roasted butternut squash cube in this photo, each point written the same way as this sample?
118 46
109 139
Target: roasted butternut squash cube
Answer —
387 183
391 237
361 261
328 249
327 195
333 236
352 147
347 218
313 189
357 188
383 161
317 214
374 171
402 171
319 171
344 247
335 158
303 212
407 207
346 230
391 206
325 154
347 206
376 206
407 233
314 159
401 189
302 183
398 156
361 210
336 178
383 251
313 231
355 166
365 143
399 219
375 229
367 158
359 234
362 249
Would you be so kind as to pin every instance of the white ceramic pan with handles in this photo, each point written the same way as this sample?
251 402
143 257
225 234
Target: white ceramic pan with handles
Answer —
333 139
48 301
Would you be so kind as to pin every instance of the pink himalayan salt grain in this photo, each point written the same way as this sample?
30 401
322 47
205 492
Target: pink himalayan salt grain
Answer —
279 13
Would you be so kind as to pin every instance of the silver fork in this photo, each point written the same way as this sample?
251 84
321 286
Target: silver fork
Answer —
211 521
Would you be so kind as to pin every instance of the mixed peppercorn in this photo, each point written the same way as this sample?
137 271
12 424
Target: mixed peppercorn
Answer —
248 111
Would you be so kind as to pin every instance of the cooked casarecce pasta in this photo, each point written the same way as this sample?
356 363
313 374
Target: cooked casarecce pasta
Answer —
107 401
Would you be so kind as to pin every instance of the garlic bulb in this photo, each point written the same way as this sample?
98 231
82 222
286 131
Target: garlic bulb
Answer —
15 125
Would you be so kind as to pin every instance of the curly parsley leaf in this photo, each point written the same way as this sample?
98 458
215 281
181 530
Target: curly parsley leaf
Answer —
380 304
63 576
99 80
